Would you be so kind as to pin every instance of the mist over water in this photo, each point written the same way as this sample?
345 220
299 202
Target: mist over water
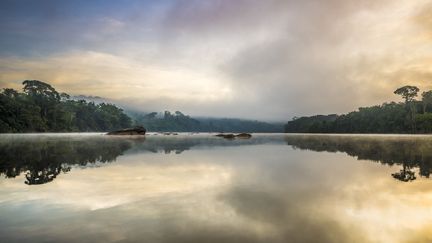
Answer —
201 188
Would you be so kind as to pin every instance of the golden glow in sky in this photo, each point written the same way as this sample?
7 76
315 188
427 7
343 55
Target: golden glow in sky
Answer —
222 58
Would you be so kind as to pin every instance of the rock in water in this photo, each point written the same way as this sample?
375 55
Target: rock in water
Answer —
227 136
232 136
244 135
140 130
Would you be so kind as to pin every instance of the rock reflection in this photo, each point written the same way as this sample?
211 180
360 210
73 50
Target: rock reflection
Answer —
411 152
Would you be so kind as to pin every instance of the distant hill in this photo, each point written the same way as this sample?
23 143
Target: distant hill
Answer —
179 122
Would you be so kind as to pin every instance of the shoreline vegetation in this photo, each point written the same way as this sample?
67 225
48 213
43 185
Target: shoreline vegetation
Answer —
409 117
40 108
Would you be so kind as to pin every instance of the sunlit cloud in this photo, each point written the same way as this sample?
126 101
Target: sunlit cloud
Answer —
223 58
117 77
119 185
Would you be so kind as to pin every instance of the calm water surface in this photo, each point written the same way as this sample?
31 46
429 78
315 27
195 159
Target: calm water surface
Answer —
201 188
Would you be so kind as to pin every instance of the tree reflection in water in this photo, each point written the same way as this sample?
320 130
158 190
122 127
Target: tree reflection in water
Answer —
45 175
43 157
405 175
409 151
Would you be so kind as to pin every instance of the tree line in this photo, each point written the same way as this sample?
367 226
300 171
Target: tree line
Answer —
40 108
179 122
410 116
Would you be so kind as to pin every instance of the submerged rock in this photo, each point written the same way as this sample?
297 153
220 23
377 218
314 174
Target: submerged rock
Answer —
244 135
139 130
232 136
170 133
227 136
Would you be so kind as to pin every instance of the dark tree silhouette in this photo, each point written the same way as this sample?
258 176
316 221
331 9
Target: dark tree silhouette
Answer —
412 116
409 93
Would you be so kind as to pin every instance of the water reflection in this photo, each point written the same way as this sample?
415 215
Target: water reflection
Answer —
43 157
408 151
206 189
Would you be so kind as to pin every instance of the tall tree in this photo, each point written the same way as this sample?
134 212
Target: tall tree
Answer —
46 97
409 93
38 88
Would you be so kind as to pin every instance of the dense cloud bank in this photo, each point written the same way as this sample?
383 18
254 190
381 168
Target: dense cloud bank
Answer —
250 59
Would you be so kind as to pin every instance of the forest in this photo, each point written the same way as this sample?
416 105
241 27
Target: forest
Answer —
40 108
411 116
179 122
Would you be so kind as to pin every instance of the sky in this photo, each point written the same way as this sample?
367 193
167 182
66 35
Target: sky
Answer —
267 60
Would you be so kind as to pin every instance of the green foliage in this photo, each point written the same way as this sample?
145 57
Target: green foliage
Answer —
407 92
41 108
426 100
386 118
180 122
314 124
424 122
177 122
238 125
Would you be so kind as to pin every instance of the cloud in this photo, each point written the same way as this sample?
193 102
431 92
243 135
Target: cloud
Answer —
113 76
334 61
225 58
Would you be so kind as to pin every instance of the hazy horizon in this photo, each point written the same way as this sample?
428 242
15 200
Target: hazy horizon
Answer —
264 60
